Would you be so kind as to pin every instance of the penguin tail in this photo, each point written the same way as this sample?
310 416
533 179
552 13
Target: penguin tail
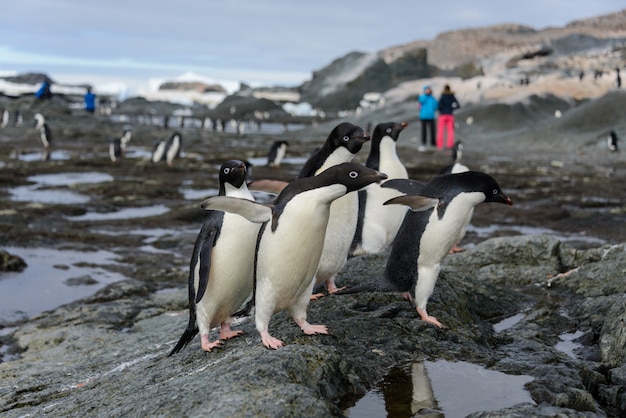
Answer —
246 310
357 289
184 340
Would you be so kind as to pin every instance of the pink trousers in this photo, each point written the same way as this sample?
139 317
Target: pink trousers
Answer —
445 122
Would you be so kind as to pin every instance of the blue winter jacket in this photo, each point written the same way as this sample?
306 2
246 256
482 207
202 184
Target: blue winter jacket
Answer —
428 106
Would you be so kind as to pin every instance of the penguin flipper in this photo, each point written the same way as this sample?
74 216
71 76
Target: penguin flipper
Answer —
415 203
252 211
406 186
204 259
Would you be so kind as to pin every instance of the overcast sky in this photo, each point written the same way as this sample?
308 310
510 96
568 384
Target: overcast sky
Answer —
269 42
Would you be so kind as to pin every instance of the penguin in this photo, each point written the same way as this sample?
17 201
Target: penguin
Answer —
291 239
18 119
173 147
159 151
612 142
118 146
455 166
222 265
438 212
44 130
342 144
6 116
377 224
277 153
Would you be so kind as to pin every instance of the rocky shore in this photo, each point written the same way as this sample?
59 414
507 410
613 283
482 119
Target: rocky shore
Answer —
554 262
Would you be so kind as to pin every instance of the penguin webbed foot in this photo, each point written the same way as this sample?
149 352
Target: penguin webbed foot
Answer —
227 333
429 319
310 329
209 345
270 342
456 249
317 296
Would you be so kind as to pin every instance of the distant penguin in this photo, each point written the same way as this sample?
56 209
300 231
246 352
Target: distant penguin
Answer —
291 239
221 272
44 130
342 144
432 226
6 116
455 166
173 147
612 142
167 149
277 153
18 119
118 146
377 225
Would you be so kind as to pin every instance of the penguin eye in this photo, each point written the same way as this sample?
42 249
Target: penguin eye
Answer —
388 130
353 174
346 138
495 191
226 170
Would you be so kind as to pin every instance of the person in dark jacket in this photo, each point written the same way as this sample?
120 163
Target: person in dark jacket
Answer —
447 105
428 107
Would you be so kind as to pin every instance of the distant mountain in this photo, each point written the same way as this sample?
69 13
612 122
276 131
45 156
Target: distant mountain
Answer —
597 43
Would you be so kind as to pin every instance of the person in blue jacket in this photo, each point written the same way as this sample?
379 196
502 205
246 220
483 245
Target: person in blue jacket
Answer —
44 91
90 101
428 106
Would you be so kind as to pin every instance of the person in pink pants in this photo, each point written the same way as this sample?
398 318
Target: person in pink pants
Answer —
447 105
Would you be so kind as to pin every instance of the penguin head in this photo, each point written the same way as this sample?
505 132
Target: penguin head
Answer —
349 136
390 129
353 176
233 172
489 186
39 120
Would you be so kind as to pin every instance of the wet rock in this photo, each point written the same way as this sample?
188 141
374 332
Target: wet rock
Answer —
10 262
109 352
81 281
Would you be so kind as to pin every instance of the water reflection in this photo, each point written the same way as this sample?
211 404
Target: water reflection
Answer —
127 213
49 280
43 191
568 344
441 388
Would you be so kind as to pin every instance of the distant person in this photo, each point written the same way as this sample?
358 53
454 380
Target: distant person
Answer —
428 106
618 79
581 75
447 105
44 91
90 101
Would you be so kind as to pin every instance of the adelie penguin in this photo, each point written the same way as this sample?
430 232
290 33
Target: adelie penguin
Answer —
277 153
170 149
117 147
342 144
439 210
291 239
45 135
222 265
454 168
377 224
612 142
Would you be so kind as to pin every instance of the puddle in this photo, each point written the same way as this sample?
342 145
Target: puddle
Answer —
198 194
262 161
40 193
127 213
56 155
567 344
508 322
452 389
42 285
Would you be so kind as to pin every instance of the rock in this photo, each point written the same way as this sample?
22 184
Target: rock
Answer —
109 352
10 262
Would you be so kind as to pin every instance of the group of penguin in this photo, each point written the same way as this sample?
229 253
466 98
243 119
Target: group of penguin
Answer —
167 150
272 255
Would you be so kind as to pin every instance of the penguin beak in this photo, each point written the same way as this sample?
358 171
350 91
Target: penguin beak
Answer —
404 125
506 199
380 177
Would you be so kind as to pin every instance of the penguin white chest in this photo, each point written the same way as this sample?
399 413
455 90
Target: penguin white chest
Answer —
440 234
